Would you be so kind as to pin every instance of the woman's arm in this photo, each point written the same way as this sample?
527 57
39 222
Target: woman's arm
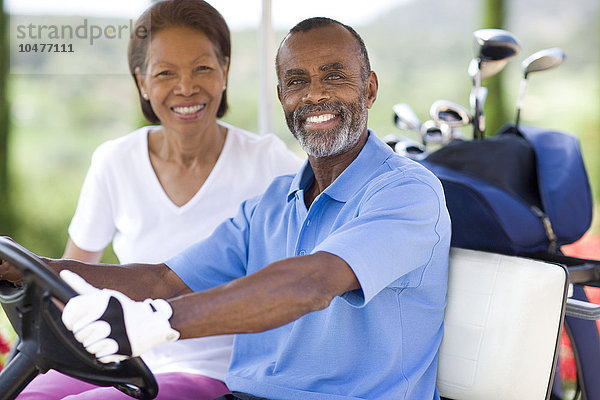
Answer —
73 252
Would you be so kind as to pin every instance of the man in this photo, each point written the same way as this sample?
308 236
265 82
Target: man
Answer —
335 279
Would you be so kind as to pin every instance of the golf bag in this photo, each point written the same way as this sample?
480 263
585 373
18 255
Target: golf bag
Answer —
522 191
525 192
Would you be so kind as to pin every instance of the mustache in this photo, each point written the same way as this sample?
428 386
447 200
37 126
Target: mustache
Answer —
302 112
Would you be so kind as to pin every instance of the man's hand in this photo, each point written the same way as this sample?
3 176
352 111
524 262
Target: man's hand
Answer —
112 326
7 271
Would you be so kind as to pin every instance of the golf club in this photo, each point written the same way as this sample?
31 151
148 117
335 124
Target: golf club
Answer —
406 147
492 49
435 133
538 61
451 114
405 118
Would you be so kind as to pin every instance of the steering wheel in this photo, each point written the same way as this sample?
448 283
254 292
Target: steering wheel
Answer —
45 343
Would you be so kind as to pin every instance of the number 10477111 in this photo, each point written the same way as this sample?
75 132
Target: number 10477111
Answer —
45 48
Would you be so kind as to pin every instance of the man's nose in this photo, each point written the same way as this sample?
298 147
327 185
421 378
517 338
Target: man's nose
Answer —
316 92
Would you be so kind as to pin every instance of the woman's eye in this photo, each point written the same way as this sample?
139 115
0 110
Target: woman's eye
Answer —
203 68
163 73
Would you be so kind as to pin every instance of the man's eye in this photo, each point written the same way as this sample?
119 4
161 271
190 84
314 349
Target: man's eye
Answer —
296 81
333 77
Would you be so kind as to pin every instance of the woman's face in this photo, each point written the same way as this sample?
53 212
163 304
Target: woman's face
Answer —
184 79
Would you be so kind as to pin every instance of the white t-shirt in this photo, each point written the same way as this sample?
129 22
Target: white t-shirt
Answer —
123 201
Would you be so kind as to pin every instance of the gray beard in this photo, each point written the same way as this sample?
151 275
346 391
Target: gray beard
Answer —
333 141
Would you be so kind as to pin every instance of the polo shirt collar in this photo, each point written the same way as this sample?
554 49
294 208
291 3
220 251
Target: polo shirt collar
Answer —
373 154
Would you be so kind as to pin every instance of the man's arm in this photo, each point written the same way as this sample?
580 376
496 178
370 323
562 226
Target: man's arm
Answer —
138 281
274 296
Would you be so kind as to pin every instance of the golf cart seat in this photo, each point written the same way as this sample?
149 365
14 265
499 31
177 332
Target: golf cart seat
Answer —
502 326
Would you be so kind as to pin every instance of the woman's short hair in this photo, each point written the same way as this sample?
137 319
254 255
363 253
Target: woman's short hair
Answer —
195 14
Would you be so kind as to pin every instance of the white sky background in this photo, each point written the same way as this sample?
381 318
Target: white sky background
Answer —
239 14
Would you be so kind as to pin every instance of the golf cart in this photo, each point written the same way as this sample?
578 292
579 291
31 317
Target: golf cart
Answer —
501 334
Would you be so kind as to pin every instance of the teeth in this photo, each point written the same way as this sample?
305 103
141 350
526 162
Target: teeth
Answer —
188 110
317 119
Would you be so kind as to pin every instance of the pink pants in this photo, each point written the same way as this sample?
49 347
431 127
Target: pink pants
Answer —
172 386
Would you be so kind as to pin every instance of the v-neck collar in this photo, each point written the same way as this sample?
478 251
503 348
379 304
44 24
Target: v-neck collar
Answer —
373 154
159 189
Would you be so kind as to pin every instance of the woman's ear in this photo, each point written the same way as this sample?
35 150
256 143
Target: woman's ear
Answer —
226 70
140 83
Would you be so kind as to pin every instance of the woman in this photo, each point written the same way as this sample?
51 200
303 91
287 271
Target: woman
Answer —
161 188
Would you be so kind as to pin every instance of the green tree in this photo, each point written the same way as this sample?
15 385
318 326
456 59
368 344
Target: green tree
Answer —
494 16
5 209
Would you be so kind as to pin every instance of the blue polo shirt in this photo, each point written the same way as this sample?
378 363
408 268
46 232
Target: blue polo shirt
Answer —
386 217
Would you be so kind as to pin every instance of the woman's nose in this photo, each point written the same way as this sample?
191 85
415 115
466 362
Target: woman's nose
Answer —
186 86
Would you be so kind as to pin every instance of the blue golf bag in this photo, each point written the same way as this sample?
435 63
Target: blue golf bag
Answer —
518 192
525 192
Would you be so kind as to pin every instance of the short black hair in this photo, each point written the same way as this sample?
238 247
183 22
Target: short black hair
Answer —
319 22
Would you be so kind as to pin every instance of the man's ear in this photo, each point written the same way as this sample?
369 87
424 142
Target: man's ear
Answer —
279 92
372 87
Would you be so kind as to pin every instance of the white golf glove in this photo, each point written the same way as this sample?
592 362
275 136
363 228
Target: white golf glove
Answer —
112 326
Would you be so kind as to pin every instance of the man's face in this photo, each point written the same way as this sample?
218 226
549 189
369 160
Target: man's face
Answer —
323 91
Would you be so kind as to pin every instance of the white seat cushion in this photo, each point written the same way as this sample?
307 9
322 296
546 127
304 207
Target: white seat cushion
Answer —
501 326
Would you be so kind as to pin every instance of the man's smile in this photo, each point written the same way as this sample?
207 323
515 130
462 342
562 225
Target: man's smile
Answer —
321 122
317 119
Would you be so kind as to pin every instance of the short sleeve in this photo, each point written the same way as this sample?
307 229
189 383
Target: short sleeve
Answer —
392 240
221 257
92 227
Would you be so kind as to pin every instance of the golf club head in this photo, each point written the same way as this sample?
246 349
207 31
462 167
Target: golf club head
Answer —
391 140
491 68
543 60
452 114
405 118
485 68
494 45
431 132
539 61
406 147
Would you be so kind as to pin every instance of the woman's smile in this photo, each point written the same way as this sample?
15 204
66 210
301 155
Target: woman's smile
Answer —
188 111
